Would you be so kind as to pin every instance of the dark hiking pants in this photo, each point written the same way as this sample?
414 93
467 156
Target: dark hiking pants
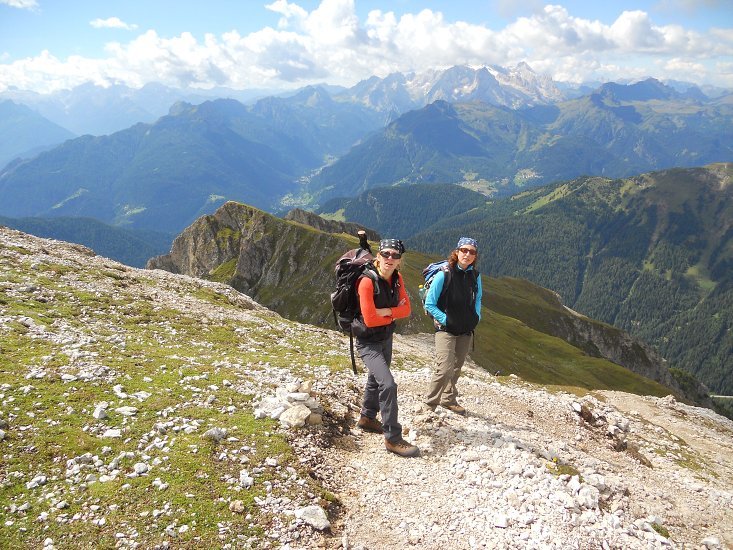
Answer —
380 393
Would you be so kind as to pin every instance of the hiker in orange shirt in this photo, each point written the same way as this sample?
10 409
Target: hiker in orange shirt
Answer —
374 328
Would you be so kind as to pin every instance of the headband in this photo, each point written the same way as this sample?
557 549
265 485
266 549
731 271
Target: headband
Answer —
467 240
395 244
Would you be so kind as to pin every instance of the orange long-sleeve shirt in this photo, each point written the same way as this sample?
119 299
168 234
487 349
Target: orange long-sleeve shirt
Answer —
369 310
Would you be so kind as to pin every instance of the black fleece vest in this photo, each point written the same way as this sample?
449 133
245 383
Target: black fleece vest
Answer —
459 302
388 296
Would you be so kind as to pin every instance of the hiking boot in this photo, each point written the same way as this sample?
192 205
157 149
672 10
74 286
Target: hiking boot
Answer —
369 424
455 408
401 447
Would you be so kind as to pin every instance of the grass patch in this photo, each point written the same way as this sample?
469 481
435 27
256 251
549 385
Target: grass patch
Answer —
224 272
560 469
184 375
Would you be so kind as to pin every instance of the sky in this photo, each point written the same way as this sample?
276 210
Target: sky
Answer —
49 45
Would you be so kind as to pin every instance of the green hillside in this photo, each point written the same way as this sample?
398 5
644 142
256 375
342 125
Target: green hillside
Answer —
652 254
404 210
289 268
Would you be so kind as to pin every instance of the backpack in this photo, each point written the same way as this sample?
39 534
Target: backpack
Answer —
344 300
429 274
350 267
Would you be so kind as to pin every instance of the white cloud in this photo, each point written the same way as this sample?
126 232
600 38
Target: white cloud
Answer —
111 23
331 44
22 4
288 12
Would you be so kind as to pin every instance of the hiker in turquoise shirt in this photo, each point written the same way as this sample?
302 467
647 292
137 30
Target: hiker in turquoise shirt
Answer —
456 310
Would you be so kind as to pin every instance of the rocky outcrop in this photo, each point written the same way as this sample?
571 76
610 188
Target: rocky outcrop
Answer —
329 226
605 341
278 263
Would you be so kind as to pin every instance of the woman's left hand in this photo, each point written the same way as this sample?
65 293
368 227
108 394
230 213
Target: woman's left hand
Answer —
384 311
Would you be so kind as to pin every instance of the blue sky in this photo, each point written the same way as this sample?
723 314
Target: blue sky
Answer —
49 45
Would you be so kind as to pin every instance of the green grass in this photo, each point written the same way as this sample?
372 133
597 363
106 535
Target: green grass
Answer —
560 469
335 216
508 345
179 359
661 529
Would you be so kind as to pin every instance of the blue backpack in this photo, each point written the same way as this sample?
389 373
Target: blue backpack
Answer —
429 274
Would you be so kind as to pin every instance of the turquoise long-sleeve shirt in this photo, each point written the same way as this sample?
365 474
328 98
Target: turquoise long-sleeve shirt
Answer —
436 287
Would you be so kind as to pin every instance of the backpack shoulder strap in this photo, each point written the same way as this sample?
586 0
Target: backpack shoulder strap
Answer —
476 275
447 274
371 272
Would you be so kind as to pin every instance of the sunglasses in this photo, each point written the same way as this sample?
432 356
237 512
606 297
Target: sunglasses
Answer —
393 255
469 251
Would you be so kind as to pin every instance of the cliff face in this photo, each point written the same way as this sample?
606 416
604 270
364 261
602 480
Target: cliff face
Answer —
278 263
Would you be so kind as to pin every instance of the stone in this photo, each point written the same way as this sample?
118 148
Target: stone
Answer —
245 480
215 434
37 481
315 419
314 516
295 417
100 411
126 410
501 521
237 506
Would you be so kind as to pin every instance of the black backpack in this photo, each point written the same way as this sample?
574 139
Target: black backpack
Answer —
344 300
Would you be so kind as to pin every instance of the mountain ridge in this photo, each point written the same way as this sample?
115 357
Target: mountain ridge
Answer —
506 151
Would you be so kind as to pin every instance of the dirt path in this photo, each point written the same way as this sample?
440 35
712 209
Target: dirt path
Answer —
487 481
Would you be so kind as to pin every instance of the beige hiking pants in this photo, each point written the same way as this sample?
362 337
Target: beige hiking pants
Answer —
450 353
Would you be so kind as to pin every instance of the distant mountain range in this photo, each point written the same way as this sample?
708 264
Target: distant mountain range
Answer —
25 133
616 131
98 110
163 176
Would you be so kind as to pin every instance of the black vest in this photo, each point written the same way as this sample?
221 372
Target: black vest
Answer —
388 296
459 302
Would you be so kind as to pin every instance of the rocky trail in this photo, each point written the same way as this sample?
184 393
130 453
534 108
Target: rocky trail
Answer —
524 469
